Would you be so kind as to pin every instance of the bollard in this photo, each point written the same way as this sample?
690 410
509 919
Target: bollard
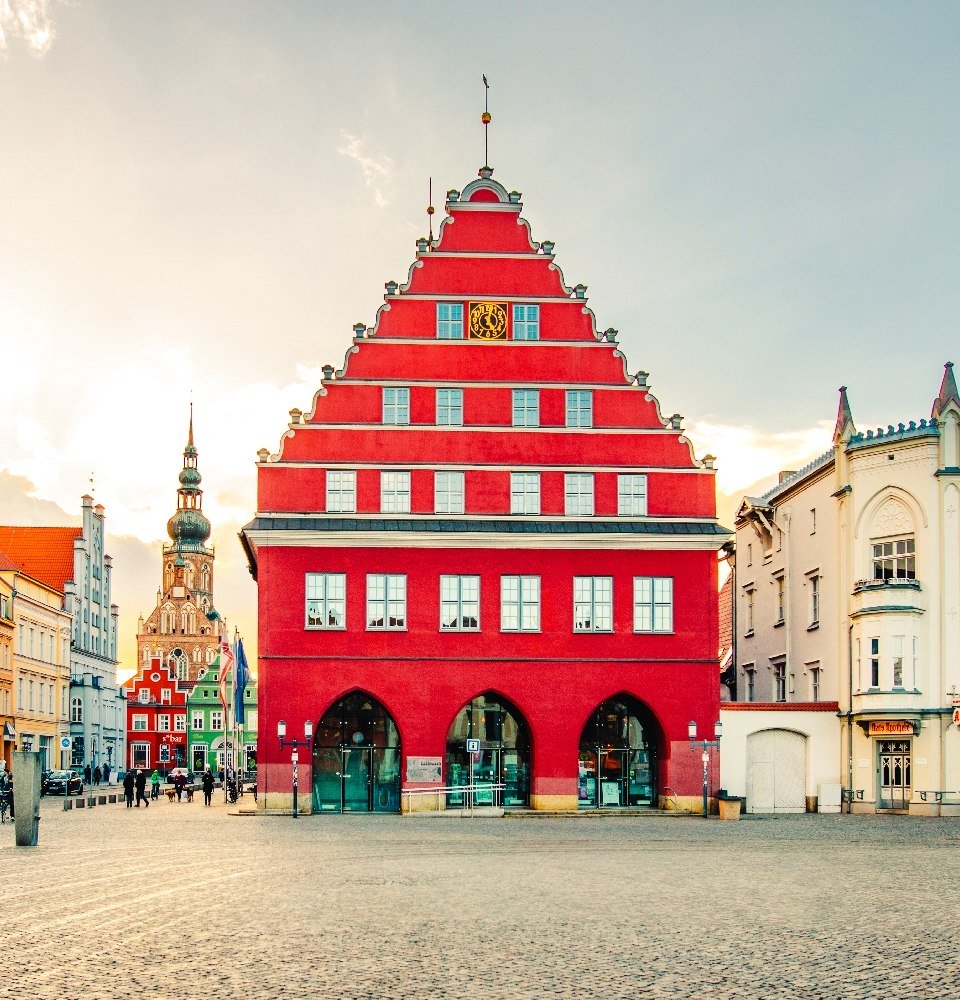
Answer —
91 801
101 800
26 796
67 804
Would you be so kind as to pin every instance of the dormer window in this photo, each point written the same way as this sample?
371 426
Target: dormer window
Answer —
895 559
449 321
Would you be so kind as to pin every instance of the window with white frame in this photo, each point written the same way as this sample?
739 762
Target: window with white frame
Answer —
459 603
396 405
76 710
895 559
814 599
578 494
520 603
875 662
526 322
196 720
341 491
139 723
326 595
526 407
140 754
449 320
815 674
450 407
395 492
750 674
652 604
579 408
448 492
165 696
216 720
163 723
524 492
593 603
386 601
143 696
780 583
749 594
779 681
180 722
898 643
631 494
916 661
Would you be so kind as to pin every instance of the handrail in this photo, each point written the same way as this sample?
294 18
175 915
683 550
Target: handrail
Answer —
468 793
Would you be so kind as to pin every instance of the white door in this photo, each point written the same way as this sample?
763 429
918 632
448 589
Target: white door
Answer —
776 771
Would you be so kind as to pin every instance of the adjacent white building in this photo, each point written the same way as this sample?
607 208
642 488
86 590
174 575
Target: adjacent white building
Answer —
847 624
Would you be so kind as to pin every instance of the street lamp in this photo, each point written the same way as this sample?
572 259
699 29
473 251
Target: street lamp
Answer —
706 746
295 756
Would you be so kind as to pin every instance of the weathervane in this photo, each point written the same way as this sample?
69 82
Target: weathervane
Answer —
486 119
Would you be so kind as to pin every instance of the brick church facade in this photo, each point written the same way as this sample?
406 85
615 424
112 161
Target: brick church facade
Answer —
485 559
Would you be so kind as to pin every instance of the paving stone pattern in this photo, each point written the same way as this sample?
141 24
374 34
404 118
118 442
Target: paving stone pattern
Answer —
182 901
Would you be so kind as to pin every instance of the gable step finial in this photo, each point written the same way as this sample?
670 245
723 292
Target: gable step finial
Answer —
948 392
844 426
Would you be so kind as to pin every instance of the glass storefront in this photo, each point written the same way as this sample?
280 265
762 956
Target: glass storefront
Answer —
618 756
503 758
356 758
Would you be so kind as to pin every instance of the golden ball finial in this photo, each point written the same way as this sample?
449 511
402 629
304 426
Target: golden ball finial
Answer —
430 209
486 118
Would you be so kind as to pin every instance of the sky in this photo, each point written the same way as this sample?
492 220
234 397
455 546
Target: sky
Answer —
199 200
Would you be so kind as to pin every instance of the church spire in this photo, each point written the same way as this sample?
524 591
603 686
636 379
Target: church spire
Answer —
189 528
845 426
948 392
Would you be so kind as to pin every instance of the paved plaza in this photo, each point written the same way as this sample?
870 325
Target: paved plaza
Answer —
183 901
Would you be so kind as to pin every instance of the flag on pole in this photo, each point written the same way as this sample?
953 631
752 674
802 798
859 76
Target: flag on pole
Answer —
243 675
226 663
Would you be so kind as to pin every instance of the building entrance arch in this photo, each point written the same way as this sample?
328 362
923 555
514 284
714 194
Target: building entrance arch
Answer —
502 760
356 758
618 756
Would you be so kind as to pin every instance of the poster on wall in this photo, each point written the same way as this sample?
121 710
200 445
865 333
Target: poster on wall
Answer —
426 770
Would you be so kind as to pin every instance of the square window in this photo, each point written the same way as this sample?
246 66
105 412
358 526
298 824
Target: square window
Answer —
341 491
593 604
449 320
520 603
450 407
524 492
526 407
460 603
395 492
396 405
448 492
578 494
326 600
632 494
579 408
652 604
526 322
386 602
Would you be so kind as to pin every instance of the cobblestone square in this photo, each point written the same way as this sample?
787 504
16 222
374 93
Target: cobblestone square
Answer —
182 901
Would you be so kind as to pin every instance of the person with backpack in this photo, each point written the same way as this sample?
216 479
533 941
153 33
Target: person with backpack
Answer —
129 779
207 782
155 784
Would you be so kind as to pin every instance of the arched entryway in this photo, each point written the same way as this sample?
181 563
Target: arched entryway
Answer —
618 756
356 758
503 757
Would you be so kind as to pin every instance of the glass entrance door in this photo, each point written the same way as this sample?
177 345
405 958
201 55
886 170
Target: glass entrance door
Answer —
356 779
894 774
618 756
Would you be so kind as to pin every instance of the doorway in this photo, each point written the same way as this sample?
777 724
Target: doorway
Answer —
617 765
894 774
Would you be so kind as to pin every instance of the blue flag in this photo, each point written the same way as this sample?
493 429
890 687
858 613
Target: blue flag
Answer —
243 675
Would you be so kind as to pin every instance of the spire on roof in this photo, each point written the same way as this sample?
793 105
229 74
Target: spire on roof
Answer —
486 119
190 449
845 426
948 392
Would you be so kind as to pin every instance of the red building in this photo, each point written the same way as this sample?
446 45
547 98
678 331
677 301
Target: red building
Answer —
156 718
485 530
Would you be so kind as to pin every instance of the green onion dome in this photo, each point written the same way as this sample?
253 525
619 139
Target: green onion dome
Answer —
188 526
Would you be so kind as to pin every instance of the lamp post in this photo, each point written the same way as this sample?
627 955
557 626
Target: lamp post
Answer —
706 746
295 756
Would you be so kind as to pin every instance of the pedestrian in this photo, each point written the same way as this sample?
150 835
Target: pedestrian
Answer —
179 782
6 788
128 783
106 774
141 785
97 775
207 782
155 784
87 775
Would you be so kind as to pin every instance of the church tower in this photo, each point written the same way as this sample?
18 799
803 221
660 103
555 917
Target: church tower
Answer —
178 630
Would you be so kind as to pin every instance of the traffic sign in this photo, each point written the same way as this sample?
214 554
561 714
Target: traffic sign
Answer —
64 742
473 746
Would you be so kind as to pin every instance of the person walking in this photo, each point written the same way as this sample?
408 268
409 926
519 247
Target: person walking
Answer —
87 775
207 782
6 788
155 784
179 782
97 775
128 783
106 774
141 785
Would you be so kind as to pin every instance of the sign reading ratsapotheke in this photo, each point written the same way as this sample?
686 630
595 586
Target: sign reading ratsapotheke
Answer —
891 727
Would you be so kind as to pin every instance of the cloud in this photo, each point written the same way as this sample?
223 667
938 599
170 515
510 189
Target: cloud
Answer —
27 19
374 171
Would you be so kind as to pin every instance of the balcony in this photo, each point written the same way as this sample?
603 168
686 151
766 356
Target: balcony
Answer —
897 595
893 584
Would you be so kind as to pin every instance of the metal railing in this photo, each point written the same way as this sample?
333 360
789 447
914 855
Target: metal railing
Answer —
456 798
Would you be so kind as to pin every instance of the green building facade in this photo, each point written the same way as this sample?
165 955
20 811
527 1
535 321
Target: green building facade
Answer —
212 739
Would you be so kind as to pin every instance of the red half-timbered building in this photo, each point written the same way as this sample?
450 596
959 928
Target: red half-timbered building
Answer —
485 530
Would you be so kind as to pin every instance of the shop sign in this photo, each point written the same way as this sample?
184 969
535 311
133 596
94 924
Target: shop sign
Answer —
891 727
173 739
956 716
424 769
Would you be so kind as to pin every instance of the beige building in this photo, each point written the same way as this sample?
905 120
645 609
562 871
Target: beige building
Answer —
847 584
7 632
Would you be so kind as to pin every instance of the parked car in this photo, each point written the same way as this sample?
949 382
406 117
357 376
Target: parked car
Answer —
189 775
64 783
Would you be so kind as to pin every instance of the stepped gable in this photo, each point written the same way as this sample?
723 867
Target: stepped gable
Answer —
484 253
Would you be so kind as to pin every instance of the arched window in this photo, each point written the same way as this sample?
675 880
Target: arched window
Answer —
892 543
76 710
178 664
196 654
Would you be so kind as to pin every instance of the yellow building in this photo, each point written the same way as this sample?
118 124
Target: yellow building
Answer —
7 722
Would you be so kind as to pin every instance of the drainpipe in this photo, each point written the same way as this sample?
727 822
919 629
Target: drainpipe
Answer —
787 595
850 719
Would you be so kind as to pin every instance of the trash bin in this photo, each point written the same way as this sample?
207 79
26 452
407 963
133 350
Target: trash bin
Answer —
729 807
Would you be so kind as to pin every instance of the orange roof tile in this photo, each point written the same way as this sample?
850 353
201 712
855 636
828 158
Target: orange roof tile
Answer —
726 615
46 554
6 562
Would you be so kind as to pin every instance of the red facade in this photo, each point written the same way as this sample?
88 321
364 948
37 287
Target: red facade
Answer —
613 517
156 719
